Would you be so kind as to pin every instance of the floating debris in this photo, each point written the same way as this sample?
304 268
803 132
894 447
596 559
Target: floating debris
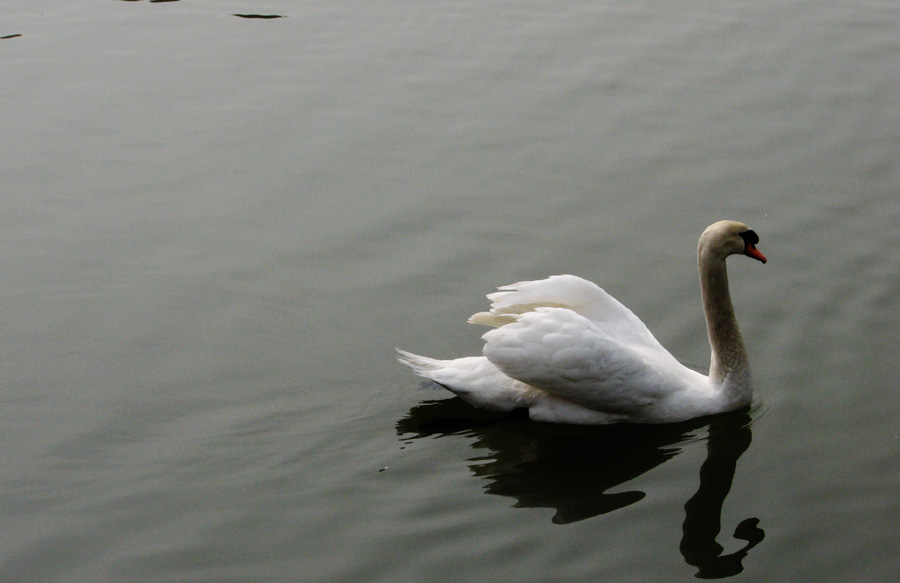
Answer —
265 16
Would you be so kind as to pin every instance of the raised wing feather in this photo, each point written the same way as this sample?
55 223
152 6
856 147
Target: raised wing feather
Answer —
578 295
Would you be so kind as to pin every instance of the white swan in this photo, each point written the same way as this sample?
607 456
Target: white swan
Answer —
570 353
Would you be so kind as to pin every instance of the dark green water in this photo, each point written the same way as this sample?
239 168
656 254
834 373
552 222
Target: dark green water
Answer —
214 230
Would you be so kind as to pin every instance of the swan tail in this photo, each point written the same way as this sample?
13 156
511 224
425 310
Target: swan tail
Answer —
474 379
421 365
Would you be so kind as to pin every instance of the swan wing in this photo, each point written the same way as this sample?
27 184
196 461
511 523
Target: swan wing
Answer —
578 295
569 355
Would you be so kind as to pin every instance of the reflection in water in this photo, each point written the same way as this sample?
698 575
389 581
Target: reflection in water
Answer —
729 437
571 468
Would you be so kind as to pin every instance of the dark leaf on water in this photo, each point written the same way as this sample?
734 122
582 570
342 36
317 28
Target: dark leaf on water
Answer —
264 16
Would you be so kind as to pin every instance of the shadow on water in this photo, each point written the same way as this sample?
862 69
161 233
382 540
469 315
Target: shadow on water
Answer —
571 468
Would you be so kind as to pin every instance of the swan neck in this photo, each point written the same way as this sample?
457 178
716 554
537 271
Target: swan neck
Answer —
729 368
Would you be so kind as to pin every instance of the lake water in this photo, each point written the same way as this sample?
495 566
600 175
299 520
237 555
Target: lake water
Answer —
216 229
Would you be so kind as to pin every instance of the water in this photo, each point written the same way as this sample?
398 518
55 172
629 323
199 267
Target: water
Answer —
215 230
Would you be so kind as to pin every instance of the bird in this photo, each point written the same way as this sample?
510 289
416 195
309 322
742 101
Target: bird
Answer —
568 352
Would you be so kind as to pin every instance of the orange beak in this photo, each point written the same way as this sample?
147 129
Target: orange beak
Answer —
752 251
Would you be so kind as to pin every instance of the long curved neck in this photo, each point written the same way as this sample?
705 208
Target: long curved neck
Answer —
728 367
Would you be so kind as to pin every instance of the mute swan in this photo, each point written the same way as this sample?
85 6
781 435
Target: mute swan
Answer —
568 352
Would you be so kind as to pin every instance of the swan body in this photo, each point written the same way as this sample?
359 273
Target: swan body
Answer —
569 352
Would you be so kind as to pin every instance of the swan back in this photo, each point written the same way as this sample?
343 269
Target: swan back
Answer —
570 356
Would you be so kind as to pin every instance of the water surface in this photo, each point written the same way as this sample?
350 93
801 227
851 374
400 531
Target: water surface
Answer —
215 229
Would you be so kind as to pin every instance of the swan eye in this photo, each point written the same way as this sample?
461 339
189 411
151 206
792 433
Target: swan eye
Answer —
750 237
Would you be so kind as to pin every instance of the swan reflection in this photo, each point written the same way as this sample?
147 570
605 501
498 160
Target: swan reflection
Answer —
537 465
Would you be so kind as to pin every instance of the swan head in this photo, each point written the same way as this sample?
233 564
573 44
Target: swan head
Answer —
726 238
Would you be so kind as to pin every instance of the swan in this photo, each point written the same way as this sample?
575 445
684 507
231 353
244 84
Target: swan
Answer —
569 352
